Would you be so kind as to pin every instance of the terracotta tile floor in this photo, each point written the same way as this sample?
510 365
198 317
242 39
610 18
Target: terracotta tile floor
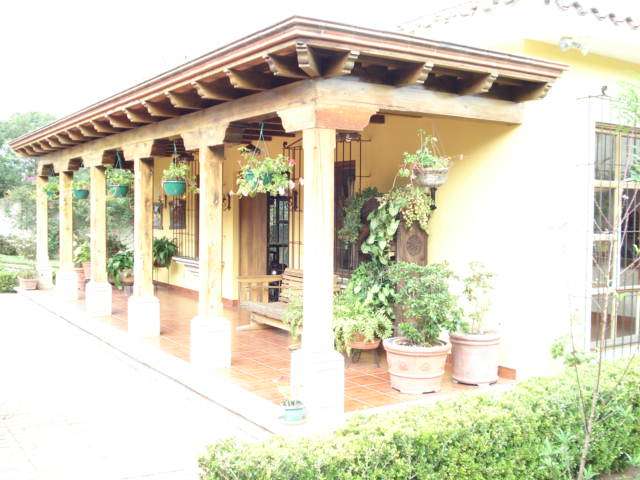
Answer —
261 358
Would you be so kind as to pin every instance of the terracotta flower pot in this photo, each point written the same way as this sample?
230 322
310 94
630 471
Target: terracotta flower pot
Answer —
415 369
475 357
80 272
28 283
359 343
86 267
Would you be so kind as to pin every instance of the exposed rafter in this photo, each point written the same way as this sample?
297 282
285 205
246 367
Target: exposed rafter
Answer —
89 131
55 143
249 80
103 126
76 135
120 122
138 116
478 83
157 109
308 59
188 101
411 75
533 92
209 91
284 67
64 139
341 63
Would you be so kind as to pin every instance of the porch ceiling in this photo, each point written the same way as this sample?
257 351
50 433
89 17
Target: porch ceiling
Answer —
294 50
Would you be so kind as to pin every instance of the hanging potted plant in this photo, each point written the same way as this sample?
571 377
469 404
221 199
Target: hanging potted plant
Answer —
28 279
357 324
417 358
475 348
119 181
80 189
52 189
163 251
175 179
266 174
120 269
82 257
426 167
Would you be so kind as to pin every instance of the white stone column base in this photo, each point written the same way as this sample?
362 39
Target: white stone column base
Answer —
67 285
210 343
45 277
143 314
98 298
318 380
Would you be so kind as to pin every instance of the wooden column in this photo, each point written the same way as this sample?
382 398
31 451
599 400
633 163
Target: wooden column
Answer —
66 221
98 234
319 151
42 234
143 227
210 300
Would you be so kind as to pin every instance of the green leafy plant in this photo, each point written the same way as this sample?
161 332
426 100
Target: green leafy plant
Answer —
163 251
80 184
292 316
82 253
477 287
8 281
180 171
427 303
119 176
425 157
263 175
117 264
371 283
27 273
352 223
352 317
52 188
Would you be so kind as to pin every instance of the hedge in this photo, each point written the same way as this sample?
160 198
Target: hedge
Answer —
8 281
531 432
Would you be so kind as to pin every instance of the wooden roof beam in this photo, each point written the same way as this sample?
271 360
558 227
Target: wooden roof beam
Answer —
189 101
37 150
341 64
138 116
412 75
160 110
44 146
249 80
209 91
30 151
64 139
89 131
533 92
284 67
76 135
103 126
478 83
308 59
54 142
120 122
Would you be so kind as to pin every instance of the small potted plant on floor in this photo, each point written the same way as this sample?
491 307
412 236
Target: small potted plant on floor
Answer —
28 278
356 324
163 251
120 269
175 179
82 257
417 358
52 189
426 167
293 411
475 348
80 189
292 317
119 181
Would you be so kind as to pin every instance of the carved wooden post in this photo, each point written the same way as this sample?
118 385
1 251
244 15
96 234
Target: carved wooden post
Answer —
143 307
98 291
67 277
42 235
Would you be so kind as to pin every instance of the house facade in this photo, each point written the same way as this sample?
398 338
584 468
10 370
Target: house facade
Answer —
344 103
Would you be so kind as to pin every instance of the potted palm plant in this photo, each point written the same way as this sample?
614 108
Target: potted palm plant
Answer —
426 167
80 189
475 348
28 278
175 179
417 358
120 268
163 251
119 181
82 257
357 324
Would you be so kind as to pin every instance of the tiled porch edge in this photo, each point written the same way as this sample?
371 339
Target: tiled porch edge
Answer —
218 388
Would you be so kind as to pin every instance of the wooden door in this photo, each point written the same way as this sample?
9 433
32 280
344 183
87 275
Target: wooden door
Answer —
253 235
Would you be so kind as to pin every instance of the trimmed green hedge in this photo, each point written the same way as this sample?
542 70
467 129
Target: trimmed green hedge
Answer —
531 432
8 281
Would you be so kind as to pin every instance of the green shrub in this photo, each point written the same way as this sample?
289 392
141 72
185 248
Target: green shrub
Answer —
6 246
8 281
532 432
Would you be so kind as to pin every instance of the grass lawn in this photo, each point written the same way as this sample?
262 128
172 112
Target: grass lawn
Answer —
16 262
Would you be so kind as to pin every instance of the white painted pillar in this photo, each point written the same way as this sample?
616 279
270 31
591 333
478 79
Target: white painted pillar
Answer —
42 235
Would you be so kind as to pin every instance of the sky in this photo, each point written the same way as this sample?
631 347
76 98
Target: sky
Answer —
60 56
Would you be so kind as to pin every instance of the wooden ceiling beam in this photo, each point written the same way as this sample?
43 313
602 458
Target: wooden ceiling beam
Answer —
284 67
160 110
64 139
89 131
412 75
308 59
120 122
76 136
209 91
103 126
477 83
55 143
30 151
138 116
44 146
341 63
189 101
533 92
37 150
249 80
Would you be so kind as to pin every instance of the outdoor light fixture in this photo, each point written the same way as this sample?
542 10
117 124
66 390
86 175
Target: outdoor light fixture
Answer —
568 43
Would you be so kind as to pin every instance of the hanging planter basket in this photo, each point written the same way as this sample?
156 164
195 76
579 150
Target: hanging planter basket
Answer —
52 195
80 193
430 177
174 188
119 191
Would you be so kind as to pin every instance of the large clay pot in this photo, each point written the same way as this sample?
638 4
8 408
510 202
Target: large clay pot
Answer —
86 267
81 278
415 369
475 357
28 283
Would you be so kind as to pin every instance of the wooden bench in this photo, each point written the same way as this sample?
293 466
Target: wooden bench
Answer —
254 296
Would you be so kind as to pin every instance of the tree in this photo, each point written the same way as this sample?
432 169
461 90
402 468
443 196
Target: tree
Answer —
14 170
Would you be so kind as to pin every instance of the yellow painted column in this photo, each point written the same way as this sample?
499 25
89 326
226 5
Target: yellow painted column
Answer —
98 292
210 331
66 278
42 235
143 306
